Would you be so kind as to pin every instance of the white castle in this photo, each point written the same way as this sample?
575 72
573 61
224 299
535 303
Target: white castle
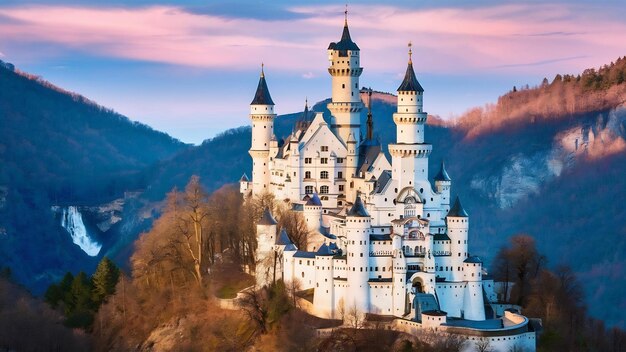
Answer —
382 239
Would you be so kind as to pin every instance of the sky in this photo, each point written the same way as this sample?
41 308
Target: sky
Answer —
190 67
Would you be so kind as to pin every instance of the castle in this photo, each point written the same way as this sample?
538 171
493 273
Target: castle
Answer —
382 240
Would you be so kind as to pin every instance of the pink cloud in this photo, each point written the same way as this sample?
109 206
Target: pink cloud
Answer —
512 37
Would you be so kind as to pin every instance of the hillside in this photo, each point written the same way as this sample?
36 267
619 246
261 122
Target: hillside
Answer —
58 147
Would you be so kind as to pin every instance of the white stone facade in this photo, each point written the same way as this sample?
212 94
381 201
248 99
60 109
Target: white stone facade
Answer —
383 239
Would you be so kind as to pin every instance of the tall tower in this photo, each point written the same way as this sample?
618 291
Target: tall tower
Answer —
410 153
262 116
358 224
344 68
458 226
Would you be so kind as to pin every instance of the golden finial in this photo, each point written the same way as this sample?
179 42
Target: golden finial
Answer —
410 53
346 16
262 71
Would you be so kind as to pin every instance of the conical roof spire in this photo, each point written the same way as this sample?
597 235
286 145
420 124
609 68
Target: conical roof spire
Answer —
358 209
346 42
457 210
443 174
267 218
410 83
262 95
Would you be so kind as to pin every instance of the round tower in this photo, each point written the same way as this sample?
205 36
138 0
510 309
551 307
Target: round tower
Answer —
358 224
266 238
345 70
313 212
473 303
323 295
457 221
410 153
262 116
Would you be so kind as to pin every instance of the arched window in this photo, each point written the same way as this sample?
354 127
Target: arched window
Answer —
308 189
324 190
324 175
307 174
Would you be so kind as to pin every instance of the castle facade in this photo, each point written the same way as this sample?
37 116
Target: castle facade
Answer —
384 238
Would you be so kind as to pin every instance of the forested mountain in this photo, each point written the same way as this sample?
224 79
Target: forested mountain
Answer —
548 161
57 147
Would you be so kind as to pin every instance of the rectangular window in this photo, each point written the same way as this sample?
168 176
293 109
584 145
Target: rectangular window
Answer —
339 160
324 148
340 188
324 161
307 160
340 174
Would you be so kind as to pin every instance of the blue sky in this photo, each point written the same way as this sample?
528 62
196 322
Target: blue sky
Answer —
190 67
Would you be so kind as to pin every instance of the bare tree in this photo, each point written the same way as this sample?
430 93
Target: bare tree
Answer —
296 227
483 345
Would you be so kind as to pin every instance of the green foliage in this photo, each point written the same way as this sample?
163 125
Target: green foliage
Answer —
104 280
80 296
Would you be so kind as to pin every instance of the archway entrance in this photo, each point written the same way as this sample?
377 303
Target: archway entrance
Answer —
418 285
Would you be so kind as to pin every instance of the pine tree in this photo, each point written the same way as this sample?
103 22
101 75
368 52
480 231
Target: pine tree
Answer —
104 280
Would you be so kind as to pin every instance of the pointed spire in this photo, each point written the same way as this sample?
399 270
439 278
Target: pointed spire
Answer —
370 121
267 218
410 83
443 174
457 210
358 209
346 42
262 95
283 239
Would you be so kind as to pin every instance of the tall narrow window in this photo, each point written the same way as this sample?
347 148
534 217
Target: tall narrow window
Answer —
307 174
324 175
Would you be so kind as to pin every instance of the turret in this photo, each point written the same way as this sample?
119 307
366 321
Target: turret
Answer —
345 70
262 116
266 239
442 185
313 217
323 294
473 303
358 225
458 225
410 153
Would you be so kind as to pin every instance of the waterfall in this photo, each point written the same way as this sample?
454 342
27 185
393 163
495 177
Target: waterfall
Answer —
72 221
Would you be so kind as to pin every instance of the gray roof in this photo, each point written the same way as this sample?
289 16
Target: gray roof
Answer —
304 254
443 174
457 210
382 182
262 95
410 83
267 218
473 259
368 152
345 43
283 239
358 209
314 200
324 250
244 178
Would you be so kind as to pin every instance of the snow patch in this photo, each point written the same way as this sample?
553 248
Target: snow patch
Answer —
72 222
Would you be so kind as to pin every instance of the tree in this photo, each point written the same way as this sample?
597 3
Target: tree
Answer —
523 261
104 280
296 227
192 221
